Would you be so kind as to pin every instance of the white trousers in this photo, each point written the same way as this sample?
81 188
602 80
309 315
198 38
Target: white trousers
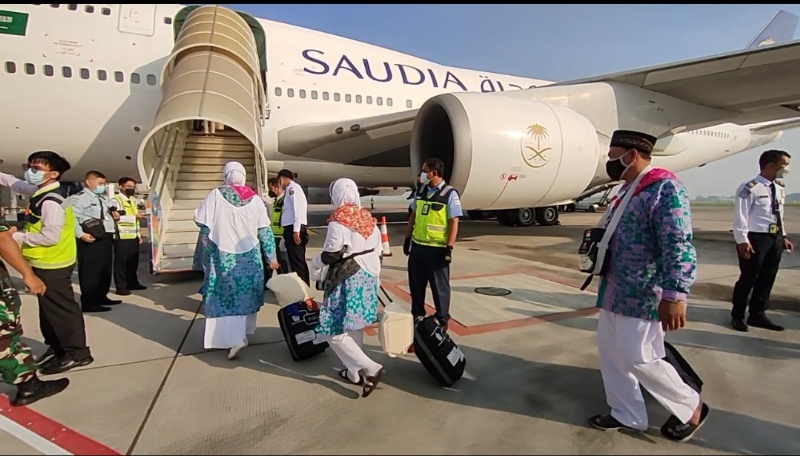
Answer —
630 355
348 347
228 332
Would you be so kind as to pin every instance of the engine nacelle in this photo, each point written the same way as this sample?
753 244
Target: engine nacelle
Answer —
504 153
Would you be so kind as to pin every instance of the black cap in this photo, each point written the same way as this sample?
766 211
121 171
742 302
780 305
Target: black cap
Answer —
629 139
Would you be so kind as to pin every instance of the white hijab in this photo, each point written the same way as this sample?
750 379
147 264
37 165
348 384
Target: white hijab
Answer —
344 191
234 173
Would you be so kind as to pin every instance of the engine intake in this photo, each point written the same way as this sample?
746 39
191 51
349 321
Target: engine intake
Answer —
505 153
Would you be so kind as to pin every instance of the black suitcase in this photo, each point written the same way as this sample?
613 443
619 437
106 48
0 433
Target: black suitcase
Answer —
437 352
297 322
683 367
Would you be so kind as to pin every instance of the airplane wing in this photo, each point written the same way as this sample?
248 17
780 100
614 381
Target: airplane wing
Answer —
766 128
779 29
370 141
760 84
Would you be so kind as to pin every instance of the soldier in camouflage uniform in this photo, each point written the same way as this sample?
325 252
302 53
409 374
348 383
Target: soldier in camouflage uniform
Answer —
17 365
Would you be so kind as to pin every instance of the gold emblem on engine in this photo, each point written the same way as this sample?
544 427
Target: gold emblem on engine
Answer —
533 153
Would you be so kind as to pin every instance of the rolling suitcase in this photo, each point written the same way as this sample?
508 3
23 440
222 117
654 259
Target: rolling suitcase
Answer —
683 367
437 352
297 322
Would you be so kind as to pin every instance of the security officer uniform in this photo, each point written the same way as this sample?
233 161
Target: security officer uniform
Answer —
277 231
60 317
126 246
294 217
429 258
759 221
95 259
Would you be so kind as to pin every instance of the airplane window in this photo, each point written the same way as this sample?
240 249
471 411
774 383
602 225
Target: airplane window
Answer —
369 99
168 20
278 91
30 68
379 101
89 8
84 73
314 95
48 70
348 98
72 7
326 96
389 102
337 97
408 103
55 6
11 67
66 72
358 98
290 93
105 11
118 76
302 93
151 79
135 78
102 75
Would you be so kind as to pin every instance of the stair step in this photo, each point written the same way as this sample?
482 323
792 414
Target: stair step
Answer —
181 226
227 133
182 237
179 250
187 203
206 185
211 148
166 263
222 152
181 214
218 161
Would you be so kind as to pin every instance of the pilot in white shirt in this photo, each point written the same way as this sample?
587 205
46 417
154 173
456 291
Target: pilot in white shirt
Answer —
761 239
294 220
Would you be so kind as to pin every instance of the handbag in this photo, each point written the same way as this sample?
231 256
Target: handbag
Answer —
595 242
338 268
95 227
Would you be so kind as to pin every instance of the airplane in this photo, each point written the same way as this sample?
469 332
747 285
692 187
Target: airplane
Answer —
120 87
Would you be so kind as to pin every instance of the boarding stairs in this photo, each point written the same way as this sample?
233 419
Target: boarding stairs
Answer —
212 75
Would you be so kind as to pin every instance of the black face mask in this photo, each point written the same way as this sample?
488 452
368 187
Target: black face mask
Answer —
616 168
130 191
272 194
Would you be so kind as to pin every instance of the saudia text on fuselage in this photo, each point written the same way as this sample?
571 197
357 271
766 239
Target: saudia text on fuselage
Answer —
388 72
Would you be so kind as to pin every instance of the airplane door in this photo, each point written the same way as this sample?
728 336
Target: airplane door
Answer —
138 19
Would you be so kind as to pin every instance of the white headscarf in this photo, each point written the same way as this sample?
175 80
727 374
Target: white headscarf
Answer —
234 173
344 191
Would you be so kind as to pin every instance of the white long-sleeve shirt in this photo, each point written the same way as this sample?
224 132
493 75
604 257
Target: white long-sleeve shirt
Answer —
295 207
753 212
53 214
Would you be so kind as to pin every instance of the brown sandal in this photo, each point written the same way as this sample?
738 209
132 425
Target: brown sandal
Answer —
371 383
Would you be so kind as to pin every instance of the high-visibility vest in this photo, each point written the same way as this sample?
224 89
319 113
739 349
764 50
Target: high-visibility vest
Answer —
275 217
62 254
431 220
127 230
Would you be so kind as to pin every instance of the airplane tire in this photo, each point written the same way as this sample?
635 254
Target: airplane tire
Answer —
547 216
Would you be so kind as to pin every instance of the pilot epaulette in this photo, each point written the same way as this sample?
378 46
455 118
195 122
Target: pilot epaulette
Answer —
780 182
752 183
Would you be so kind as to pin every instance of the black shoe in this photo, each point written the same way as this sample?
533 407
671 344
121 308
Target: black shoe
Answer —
48 355
34 389
65 364
739 324
137 287
110 302
95 309
607 423
122 293
762 321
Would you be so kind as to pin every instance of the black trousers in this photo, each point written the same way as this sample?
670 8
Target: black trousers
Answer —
297 253
426 265
95 260
126 263
60 316
757 274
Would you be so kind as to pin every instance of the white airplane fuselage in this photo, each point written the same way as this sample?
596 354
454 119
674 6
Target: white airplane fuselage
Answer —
86 84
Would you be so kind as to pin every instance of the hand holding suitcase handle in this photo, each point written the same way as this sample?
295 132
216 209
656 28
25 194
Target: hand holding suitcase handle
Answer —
387 296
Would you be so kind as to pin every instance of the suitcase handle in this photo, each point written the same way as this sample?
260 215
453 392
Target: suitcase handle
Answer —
387 296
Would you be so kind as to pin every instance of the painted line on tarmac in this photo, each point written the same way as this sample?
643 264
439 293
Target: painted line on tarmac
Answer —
45 435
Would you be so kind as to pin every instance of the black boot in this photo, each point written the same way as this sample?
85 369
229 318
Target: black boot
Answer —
34 389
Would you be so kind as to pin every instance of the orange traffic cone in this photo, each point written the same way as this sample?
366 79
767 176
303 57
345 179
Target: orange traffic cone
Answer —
387 251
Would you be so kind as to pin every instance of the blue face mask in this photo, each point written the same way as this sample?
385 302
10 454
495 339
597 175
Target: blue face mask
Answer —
34 177
100 189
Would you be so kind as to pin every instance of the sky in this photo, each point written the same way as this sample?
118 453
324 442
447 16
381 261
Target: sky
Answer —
559 42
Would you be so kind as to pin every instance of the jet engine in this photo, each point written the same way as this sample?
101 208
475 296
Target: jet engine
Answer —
506 153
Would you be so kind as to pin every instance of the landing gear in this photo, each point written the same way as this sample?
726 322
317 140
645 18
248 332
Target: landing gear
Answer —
526 216
480 215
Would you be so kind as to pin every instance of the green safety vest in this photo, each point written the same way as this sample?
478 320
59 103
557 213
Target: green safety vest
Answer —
275 217
127 230
431 220
63 253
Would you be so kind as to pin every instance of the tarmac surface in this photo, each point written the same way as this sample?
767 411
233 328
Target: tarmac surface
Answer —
532 376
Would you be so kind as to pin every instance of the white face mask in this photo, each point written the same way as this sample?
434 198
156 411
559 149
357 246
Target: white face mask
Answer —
423 177
783 172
